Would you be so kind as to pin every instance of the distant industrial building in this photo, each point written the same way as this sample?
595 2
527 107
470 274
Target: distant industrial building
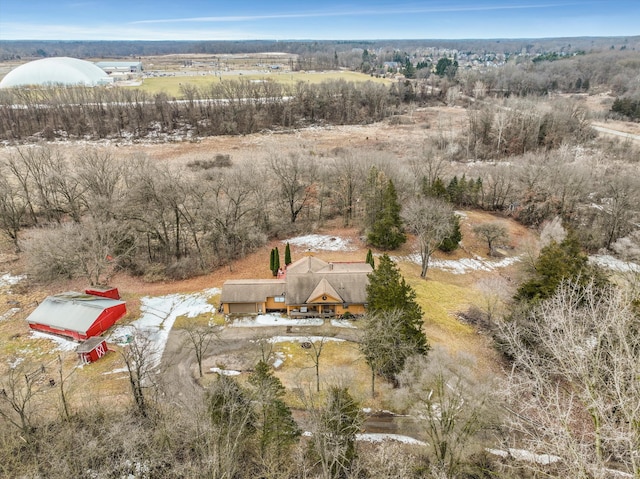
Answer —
120 68
56 71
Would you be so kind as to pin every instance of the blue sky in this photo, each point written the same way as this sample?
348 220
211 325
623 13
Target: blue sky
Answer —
319 20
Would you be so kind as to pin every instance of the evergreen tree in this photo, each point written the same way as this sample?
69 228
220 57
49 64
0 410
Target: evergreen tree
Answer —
277 430
287 255
451 242
369 259
386 232
559 262
276 261
436 190
374 196
388 291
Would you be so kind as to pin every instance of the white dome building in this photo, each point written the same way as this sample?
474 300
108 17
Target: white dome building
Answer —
56 71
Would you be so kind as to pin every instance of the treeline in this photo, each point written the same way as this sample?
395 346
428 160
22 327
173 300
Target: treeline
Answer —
229 107
11 49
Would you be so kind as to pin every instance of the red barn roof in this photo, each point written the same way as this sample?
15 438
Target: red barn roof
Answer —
76 315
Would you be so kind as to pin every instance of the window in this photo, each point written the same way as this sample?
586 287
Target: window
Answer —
279 299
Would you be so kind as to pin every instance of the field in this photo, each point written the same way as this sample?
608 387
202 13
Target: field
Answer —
172 83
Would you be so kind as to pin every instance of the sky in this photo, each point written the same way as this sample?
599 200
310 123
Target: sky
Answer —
314 20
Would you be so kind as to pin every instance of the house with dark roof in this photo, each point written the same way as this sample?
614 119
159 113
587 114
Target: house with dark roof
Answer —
310 287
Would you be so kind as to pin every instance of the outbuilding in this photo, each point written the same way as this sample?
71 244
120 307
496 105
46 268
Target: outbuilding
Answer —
92 349
76 315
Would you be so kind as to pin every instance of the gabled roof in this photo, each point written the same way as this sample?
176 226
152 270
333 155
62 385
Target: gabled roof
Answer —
251 290
71 311
306 264
324 288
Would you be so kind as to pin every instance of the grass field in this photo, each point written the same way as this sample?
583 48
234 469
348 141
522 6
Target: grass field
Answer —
171 85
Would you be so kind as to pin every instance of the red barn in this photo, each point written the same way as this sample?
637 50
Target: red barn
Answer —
92 349
76 315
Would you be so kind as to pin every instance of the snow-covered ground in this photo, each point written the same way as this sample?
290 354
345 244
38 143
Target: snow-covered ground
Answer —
609 262
343 323
8 314
225 372
158 315
380 437
321 242
524 455
9 280
464 265
303 339
263 320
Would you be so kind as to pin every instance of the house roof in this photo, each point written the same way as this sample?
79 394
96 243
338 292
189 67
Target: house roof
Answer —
306 279
90 344
251 290
71 311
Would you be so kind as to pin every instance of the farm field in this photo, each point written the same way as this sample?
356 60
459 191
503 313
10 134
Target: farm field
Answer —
172 83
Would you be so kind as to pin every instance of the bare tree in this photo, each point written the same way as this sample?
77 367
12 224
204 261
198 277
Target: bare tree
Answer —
574 391
314 351
491 233
451 404
138 356
17 391
295 177
199 338
430 220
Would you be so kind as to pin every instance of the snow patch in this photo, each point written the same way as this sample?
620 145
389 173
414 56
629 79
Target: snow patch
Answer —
343 323
15 363
158 315
263 320
63 343
464 265
380 437
225 372
303 339
117 371
524 455
614 264
9 280
8 314
321 242
279 359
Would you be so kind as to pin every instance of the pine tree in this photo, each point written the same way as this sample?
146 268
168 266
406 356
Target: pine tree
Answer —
388 291
287 255
386 232
277 430
369 259
451 242
276 261
559 262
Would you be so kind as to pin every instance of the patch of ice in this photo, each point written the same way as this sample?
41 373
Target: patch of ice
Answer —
302 339
367 410
524 455
379 437
321 242
461 214
158 315
464 265
614 264
274 320
9 280
63 343
225 372
8 314
343 323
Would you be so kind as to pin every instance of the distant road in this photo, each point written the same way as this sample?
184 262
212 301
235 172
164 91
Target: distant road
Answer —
623 134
